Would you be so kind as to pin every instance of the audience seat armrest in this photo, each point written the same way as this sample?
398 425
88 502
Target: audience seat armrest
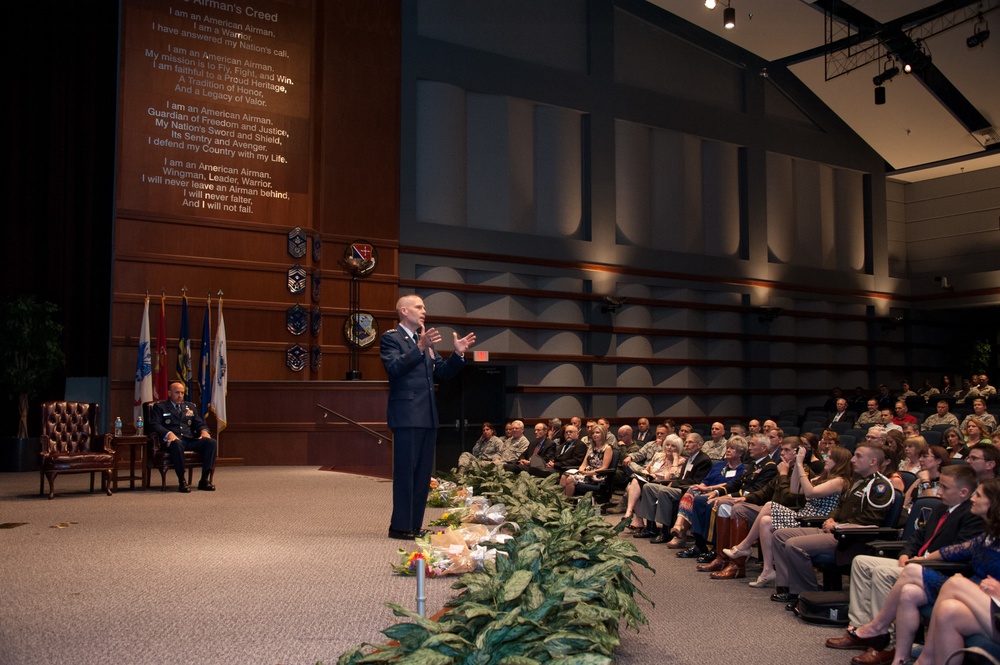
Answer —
947 567
887 548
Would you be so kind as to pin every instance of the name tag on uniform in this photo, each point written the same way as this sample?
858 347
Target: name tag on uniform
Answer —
730 473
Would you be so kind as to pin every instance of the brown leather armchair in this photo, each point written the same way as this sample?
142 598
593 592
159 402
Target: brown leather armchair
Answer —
70 444
158 458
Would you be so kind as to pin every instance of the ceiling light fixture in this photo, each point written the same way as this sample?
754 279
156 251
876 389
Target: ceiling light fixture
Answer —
710 4
729 18
890 72
918 58
980 33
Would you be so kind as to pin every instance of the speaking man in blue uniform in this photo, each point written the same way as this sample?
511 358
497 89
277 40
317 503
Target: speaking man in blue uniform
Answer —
412 365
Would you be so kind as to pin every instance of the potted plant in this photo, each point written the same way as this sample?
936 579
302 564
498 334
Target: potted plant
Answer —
30 352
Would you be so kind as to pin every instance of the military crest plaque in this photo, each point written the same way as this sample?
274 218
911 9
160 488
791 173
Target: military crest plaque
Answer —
297 242
361 329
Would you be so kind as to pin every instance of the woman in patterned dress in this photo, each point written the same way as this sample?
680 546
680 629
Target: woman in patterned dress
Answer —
918 585
822 495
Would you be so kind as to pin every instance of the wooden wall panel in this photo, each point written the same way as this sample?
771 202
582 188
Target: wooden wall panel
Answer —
342 110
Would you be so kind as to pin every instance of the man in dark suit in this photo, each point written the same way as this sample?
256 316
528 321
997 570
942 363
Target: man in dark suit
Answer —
568 454
178 424
872 577
409 359
841 415
543 448
643 434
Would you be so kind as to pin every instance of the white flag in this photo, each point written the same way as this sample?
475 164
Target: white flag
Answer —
143 368
220 372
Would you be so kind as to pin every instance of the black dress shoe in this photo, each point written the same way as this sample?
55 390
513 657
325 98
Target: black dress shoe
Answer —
647 533
206 485
401 535
785 597
707 557
790 607
183 488
690 553
660 538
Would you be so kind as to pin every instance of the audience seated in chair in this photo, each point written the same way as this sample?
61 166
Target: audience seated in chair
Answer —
866 503
872 577
658 501
595 465
666 465
486 448
541 452
568 454
919 585
984 459
932 461
822 495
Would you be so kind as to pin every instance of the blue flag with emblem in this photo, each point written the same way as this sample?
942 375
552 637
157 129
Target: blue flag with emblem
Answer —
204 361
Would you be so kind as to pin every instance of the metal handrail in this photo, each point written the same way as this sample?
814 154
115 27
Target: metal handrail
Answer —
363 428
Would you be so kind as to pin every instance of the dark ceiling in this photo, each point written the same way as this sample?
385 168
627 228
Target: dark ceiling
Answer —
937 121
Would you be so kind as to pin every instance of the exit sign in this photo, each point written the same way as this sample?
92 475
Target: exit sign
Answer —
481 356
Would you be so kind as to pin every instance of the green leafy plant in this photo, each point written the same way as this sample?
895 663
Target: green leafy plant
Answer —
555 594
30 352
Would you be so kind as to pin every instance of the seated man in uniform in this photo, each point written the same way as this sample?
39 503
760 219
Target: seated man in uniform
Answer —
178 424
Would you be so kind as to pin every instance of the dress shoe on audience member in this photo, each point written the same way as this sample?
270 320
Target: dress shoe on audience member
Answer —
660 538
707 557
874 657
730 572
647 533
690 553
781 595
850 640
717 563
401 535
677 543
183 488
205 485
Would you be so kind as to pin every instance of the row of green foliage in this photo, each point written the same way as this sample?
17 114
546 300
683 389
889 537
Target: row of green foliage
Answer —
558 595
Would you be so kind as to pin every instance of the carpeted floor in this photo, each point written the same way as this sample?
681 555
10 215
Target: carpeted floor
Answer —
290 565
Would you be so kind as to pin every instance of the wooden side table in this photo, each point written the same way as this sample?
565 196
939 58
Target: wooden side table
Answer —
137 446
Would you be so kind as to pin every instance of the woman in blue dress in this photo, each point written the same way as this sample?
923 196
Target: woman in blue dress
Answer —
918 586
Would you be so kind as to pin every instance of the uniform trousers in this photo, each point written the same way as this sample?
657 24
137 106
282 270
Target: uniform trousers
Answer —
412 462
871 579
657 503
794 550
206 447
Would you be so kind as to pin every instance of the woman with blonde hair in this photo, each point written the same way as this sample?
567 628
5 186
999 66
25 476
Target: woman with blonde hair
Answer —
595 465
975 432
913 450
664 466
